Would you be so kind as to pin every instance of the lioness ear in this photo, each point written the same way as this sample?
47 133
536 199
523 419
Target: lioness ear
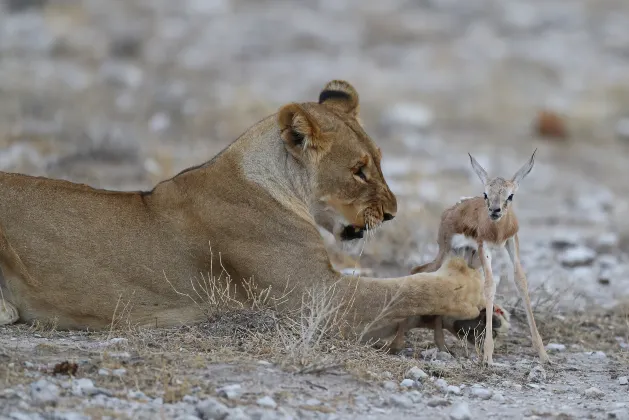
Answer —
340 95
301 133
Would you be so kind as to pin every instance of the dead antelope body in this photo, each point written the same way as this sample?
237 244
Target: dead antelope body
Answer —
487 223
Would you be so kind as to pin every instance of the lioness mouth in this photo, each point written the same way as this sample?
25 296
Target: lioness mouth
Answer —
352 232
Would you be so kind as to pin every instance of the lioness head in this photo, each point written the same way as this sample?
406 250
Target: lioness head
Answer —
342 160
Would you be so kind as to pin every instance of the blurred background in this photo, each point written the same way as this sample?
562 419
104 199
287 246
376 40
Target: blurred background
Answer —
124 93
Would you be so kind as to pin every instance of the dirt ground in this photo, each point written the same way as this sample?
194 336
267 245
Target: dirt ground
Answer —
122 94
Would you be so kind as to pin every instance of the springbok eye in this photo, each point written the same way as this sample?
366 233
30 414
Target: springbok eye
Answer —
510 197
360 174
485 194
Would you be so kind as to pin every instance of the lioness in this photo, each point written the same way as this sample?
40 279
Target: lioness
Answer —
71 252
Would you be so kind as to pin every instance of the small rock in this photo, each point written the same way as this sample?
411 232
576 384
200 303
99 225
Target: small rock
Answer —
623 380
398 400
441 384
537 374
238 414
69 415
438 402
416 374
211 409
229 391
549 124
607 242
498 397
83 386
443 356
412 115
622 129
565 239
126 46
44 392
389 385
104 372
159 122
482 393
596 354
313 402
430 353
452 389
407 383
119 372
555 347
266 401
264 363
594 392
460 411
577 257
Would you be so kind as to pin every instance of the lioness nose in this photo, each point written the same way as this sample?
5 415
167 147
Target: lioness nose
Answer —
388 216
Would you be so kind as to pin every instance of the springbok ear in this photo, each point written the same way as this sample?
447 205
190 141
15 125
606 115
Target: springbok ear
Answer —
301 133
340 95
482 173
524 170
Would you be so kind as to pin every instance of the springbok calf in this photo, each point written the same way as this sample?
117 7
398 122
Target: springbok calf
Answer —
487 223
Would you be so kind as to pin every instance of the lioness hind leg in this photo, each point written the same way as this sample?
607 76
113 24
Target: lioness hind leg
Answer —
8 313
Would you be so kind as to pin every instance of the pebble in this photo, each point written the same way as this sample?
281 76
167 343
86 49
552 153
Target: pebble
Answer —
238 414
400 400
623 380
211 409
442 384
229 391
596 354
498 397
409 114
555 347
44 392
460 411
482 393
452 389
83 386
577 257
537 374
389 385
438 402
119 372
104 372
443 356
416 374
622 129
594 392
407 383
266 401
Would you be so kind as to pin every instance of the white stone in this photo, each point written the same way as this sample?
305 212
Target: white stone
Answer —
623 380
44 392
482 393
416 373
452 389
414 115
576 257
498 397
400 401
211 409
229 391
594 392
266 401
460 411
407 383
555 347
622 129
537 374
442 384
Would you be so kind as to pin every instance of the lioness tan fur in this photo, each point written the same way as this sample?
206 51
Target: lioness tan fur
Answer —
71 252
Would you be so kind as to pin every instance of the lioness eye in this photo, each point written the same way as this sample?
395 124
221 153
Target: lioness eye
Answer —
510 197
360 174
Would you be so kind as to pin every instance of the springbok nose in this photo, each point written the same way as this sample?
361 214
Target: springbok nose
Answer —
495 211
388 216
